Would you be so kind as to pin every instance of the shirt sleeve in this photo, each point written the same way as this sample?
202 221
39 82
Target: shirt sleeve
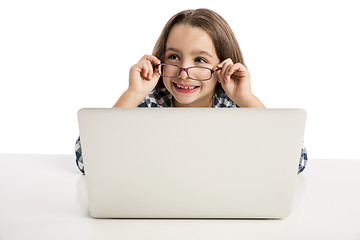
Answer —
78 154
147 102
142 104
303 160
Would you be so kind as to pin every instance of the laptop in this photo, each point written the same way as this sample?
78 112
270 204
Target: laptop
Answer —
191 162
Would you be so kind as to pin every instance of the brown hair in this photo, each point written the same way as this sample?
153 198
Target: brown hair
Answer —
226 45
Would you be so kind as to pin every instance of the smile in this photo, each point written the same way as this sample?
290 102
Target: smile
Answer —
185 88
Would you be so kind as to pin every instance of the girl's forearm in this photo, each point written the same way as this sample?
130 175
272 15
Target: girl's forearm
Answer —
250 102
129 99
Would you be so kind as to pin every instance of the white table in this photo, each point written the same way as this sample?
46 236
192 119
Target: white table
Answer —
44 197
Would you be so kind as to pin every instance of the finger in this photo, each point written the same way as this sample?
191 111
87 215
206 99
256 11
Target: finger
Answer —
220 73
150 69
144 69
225 72
238 71
232 69
151 58
224 66
240 67
228 60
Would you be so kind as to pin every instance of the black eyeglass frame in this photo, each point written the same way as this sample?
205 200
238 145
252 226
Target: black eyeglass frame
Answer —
186 70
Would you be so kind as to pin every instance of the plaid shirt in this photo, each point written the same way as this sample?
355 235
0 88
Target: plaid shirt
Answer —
163 98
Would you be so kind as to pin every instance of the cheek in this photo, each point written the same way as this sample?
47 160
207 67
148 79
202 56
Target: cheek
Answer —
167 84
212 82
164 81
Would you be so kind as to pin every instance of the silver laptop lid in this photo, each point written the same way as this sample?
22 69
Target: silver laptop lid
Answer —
191 162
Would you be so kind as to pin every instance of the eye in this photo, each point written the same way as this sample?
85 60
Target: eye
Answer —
173 57
200 60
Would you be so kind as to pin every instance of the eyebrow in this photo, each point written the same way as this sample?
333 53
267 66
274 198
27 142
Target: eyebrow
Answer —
193 52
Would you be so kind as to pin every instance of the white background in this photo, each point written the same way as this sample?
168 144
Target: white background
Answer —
59 56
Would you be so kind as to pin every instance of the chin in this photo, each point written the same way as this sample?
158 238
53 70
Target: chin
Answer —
184 101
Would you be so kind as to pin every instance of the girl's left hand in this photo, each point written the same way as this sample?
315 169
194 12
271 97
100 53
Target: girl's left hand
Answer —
234 79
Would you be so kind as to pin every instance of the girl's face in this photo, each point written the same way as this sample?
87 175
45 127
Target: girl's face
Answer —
188 46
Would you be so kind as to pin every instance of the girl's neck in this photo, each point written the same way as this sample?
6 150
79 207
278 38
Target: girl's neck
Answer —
194 104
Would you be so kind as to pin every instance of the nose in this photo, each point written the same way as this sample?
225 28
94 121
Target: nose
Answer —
183 74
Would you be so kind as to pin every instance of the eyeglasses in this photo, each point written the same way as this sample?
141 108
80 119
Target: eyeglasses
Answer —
194 73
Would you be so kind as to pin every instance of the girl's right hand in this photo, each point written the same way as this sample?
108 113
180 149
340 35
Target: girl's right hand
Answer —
143 77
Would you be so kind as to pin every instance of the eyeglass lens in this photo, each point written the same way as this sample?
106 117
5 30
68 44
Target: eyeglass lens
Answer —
196 73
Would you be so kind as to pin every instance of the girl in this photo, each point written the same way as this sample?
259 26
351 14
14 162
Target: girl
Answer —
196 62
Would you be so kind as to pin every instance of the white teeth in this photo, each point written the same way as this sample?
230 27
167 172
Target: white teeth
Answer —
184 87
